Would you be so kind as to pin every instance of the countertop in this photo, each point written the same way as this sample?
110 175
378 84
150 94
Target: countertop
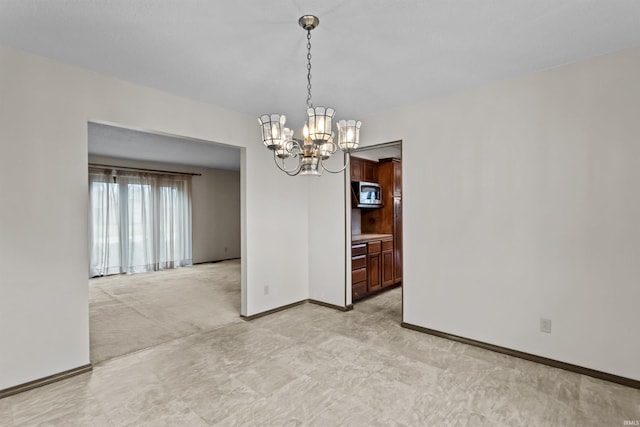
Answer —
364 238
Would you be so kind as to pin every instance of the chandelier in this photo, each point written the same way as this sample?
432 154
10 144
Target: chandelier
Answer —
317 144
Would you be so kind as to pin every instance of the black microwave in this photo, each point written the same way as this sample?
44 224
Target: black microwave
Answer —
366 194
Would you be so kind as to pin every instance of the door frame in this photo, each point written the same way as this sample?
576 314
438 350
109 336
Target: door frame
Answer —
347 194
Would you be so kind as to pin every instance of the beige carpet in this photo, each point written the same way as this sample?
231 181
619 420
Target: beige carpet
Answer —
132 312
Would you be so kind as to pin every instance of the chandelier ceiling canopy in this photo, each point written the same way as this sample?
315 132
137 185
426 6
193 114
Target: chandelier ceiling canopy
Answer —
317 143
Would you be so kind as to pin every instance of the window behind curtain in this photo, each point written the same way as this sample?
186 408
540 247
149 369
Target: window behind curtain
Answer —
140 222
104 227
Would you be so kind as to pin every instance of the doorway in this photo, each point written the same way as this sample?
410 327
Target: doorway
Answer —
374 224
158 303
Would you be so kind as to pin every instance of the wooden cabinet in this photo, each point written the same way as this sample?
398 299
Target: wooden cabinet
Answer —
387 263
358 262
397 178
373 270
372 266
359 249
363 170
370 171
359 270
390 174
390 177
359 290
357 172
397 239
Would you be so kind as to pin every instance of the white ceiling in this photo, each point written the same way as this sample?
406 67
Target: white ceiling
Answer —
132 144
369 56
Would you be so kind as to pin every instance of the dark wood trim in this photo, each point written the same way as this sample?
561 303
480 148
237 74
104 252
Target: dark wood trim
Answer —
273 310
46 380
335 307
629 382
295 304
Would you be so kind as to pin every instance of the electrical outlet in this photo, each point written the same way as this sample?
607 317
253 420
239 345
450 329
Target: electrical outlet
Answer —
266 289
545 325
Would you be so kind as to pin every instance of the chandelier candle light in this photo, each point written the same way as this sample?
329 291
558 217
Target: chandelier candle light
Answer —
317 144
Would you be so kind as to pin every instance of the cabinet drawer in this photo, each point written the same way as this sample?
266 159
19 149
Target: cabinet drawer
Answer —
387 245
374 247
358 262
359 249
359 275
358 290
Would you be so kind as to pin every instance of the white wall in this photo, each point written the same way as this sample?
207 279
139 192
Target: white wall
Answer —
327 227
215 207
43 214
521 201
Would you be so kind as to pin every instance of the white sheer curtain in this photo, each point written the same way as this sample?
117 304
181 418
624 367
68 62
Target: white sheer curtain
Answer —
173 220
139 222
104 224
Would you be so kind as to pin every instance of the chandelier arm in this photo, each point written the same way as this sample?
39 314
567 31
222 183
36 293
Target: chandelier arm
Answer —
339 170
334 148
290 172
299 146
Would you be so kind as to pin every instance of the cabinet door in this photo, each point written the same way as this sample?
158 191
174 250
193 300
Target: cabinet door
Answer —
358 262
373 270
358 290
387 268
397 238
358 249
356 169
397 179
370 171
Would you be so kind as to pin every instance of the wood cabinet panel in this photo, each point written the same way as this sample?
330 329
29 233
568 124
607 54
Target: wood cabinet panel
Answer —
390 215
374 247
357 172
359 275
387 275
370 171
397 179
387 263
397 239
358 262
358 290
359 249
373 272
390 174
363 170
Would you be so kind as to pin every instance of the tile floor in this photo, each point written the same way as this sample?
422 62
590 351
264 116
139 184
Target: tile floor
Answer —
314 366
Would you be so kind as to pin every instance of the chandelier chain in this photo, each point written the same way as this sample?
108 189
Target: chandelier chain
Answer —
309 104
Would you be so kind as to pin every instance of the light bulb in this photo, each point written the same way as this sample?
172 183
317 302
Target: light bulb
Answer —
350 135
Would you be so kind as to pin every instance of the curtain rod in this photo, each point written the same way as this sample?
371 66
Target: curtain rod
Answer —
156 171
